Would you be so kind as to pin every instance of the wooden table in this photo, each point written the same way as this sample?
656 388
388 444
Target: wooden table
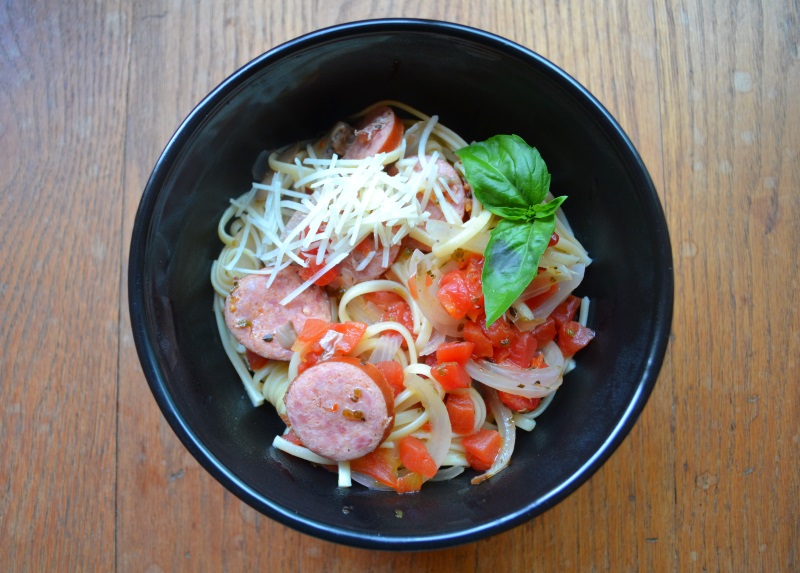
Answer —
93 479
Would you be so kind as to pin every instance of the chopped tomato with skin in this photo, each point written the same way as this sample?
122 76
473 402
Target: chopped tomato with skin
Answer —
394 375
572 336
482 346
554 238
454 294
308 344
565 311
381 464
536 301
394 307
517 403
352 333
472 273
545 332
455 351
412 286
415 457
482 448
538 361
255 361
409 483
313 268
521 350
500 333
451 375
461 411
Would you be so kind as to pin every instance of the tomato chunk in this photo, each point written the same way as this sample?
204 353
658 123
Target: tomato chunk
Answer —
482 346
545 332
565 311
482 448
255 361
414 456
536 301
380 464
517 403
572 336
451 375
461 411
394 375
313 268
521 350
454 294
455 351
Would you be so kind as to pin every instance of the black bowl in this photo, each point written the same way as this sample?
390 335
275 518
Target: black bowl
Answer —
480 85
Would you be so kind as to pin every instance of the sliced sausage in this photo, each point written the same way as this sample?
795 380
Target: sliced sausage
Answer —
379 131
337 141
253 311
349 276
341 409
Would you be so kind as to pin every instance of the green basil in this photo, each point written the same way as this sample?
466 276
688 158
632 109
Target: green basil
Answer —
511 180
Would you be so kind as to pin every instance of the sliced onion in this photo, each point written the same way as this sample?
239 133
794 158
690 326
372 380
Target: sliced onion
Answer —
386 348
552 355
429 303
504 419
286 335
448 473
527 382
565 288
441 431
368 481
436 340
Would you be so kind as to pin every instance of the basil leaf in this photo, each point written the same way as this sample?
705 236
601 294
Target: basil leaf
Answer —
512 261
547 209
504 171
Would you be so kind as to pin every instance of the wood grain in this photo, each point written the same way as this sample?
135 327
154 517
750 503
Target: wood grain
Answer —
93 479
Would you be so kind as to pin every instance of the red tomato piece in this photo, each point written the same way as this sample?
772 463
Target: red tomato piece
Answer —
482 448
565 311
255 361
473 272
500 333
521 350
572 336
454 294
482 345
381 464
313 268
455 351
352 333
554 238
545 332
451 375
517 403
409 483
394 375
461 411
415 457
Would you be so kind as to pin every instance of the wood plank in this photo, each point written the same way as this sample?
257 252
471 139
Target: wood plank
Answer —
61 137
730 76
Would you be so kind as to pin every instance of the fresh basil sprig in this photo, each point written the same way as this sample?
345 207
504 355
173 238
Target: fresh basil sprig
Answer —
511 180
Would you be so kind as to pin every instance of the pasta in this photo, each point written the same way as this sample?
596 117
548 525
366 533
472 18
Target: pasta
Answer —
363 246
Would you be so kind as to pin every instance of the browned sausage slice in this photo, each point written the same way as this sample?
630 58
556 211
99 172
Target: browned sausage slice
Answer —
379 131
341 409
253 311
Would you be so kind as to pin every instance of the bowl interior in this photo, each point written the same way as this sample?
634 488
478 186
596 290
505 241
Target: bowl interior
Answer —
478 85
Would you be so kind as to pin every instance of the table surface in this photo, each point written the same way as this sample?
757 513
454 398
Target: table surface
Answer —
92 477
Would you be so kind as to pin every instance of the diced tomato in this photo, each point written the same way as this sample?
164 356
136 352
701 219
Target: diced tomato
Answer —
538 361
518 403
521 350
380 464
313 330
414 456
454 294
399 312
255 361
394 375
565 311
472 272
553 239
500 333
482 345
572 336
455 351
461 411
308 345
545 332
451 375
536 301
313 268
482 448
383 298
409 483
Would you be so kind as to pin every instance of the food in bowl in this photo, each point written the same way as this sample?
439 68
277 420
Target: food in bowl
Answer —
404 300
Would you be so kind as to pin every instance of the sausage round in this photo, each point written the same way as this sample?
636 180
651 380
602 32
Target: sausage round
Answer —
341 409
253 311
349 276
379 131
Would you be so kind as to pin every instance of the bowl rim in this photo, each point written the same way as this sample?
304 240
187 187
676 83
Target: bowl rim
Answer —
146 346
